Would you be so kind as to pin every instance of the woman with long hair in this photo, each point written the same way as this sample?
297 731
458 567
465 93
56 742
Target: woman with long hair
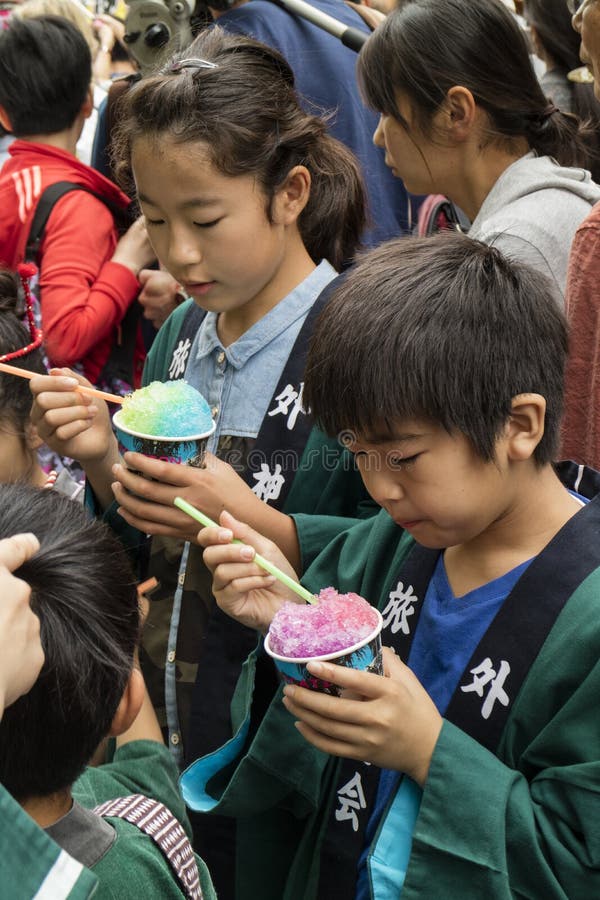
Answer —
463 114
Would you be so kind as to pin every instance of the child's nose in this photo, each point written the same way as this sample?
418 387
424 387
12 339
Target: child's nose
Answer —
385 489
378 139
183 251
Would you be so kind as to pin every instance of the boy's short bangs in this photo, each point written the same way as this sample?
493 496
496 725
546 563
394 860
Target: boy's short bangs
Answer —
443 329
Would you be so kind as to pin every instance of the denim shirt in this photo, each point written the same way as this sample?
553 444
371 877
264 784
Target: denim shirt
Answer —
238 382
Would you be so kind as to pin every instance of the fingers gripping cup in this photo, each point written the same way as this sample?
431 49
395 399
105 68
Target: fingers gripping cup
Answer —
341 628
168 420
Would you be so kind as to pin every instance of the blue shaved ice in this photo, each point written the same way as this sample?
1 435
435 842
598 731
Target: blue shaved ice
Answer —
167 409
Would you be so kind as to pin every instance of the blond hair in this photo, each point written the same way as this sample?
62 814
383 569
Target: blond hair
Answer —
74 12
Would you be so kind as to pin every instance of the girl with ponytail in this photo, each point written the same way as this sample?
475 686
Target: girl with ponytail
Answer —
463 114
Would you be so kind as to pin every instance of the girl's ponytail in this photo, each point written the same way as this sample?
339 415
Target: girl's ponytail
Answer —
560 135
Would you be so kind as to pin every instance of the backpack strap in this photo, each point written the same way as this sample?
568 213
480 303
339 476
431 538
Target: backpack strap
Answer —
49 197
155 820
438 213
119 366
45 205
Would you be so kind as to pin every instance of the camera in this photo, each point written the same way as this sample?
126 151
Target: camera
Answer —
155 29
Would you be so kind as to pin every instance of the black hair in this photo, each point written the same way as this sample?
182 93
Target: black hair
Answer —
45 74
425 47
246 110
444 329
15 397
552 22
84 594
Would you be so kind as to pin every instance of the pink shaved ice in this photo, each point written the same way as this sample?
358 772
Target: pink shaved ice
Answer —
336 622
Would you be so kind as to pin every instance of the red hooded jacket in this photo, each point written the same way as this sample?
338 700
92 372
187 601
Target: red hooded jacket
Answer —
83 295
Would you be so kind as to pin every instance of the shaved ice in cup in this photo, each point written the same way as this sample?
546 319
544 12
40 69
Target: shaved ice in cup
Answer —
341 628
167 420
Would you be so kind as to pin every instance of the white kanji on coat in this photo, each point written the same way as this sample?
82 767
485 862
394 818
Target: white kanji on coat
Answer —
351 798
180 355
289 397
401 605
268 484
484 675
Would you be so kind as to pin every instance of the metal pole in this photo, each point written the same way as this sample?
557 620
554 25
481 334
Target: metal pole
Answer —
351 37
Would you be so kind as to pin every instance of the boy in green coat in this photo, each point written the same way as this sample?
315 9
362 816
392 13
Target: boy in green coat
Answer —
473 768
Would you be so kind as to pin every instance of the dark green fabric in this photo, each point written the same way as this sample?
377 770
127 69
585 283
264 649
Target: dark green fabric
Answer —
327 484
524 822
28 858
134 866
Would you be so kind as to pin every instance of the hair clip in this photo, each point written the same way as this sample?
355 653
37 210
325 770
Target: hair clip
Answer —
192 63
26 271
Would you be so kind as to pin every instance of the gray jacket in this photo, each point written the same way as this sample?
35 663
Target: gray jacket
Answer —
533 212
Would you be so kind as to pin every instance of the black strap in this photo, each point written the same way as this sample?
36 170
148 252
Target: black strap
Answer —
287 425
48 198
455 219
183 343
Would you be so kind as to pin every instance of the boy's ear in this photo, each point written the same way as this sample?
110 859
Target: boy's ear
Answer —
130 705
525 427
5 120
87 107
291 198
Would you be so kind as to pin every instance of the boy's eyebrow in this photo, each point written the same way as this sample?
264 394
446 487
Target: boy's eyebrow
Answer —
388 438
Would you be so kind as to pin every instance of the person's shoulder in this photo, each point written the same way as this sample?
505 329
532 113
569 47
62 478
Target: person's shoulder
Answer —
591 221
138 767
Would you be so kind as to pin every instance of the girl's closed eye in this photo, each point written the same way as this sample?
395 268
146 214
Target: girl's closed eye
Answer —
210 224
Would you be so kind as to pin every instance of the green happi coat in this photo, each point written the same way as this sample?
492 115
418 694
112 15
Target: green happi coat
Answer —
520 821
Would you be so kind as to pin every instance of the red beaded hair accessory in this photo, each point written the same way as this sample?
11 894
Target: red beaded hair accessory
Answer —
26 271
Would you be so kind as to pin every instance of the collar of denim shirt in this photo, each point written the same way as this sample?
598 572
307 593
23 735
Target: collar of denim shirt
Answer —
282 316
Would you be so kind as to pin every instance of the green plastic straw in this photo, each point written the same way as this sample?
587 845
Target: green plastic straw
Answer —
258 559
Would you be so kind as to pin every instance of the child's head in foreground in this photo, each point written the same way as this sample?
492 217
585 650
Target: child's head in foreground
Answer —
84 594
440 363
